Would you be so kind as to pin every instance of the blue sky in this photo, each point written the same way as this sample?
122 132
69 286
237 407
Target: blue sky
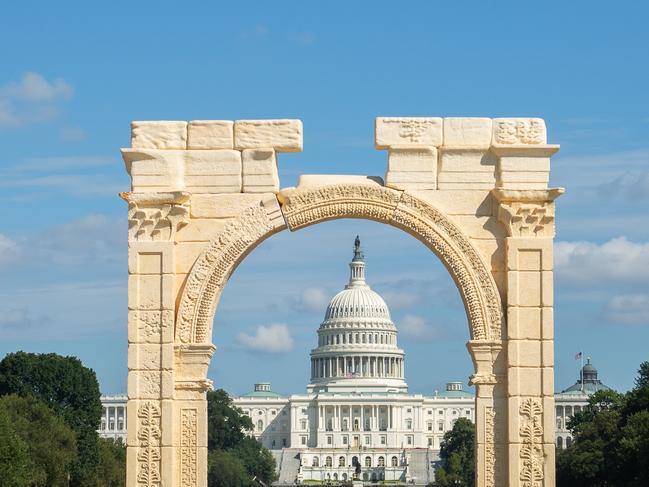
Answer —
74 74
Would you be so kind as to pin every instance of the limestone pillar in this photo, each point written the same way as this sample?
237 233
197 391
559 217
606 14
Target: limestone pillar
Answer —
528 216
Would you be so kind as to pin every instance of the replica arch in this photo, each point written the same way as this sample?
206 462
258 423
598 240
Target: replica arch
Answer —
475 191
302 208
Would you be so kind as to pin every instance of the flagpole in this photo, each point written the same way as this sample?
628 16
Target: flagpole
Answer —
581 372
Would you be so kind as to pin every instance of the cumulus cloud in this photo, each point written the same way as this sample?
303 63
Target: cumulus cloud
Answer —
274 338
632 309
32 99
618 260
14 318
416 327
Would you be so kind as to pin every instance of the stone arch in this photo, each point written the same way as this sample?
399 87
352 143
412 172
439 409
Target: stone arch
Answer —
302 208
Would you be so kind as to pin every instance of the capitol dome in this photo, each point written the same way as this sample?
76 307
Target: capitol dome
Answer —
357 340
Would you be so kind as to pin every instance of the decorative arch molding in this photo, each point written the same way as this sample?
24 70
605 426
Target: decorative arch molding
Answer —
304 207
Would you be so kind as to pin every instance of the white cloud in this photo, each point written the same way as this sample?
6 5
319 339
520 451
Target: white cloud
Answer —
32 99
14 318
314 299
630 309
618 260
416 327
274 338
8 250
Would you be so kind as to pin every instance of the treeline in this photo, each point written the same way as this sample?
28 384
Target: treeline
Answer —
50 411
610 445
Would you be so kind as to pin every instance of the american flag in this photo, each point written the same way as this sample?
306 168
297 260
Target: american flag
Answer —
578 355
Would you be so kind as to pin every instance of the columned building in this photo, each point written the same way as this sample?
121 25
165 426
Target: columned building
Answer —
573 399
113 417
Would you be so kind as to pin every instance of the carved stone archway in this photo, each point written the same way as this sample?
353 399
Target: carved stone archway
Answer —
206 193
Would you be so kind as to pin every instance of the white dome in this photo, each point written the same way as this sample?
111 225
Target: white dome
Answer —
358 302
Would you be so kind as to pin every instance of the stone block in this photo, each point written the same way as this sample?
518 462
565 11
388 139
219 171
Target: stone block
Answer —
171 426
492 252
155 326
467 160
144 384
505 177
200 230
212 163
144 356
524 288
150 257
459 202
524 164
547 374
412 131
524 353
223 205
529 254
186 255
454 185
281 135
547 349
518 131
210 134
467 132
213 184
483 227
416 159
159 135
524 323
259 161
154 170
318 180
525 381
547 323
150 292
549 419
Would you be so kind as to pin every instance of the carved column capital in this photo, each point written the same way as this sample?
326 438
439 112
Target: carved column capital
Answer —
192 362
527 213
156 216
486 356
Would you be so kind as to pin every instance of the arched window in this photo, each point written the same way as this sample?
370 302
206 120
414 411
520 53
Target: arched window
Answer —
260 425
368 461
316 462
560 443
328 462
341 461
373 476
344 424
381 462
356 425
381 339
370 338
394 461
559 423
568 442
354 461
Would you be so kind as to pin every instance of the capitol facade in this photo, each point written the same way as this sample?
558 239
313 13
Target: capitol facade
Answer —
357 419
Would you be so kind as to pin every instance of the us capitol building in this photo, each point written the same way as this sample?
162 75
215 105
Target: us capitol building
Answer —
357 418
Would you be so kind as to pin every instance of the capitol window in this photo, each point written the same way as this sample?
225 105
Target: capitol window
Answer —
381 462
341 461
260 425
408 424
303 424
409 439
430 426
303 440
330 440
440 426
345 440
328 462
383 439
368 440
368 461
394 461
315 462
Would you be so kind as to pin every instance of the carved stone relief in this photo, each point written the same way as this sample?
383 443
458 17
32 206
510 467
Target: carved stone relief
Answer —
148 435
490 454
527 213
531 434
156 216
188 444
519 131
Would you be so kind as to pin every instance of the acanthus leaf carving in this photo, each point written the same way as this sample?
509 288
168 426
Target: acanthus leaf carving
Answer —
531 452
527 213
156 216
148 455
490 454
519 131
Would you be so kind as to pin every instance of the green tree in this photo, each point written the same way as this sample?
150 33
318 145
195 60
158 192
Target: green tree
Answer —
51 445
457 455
226 470
610 440
71 391
112 466
14 455
227 426
228 432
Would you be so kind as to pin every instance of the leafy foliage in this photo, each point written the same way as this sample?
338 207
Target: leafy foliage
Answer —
235 457
71 391
112 466
610 440
50 442
457 453
15 463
